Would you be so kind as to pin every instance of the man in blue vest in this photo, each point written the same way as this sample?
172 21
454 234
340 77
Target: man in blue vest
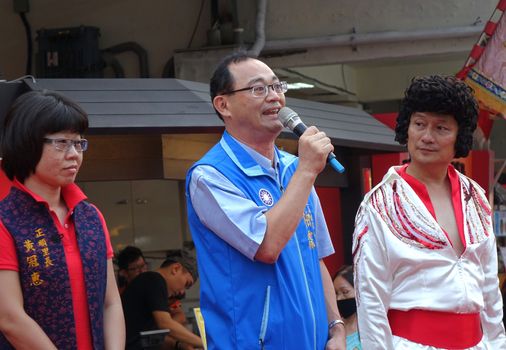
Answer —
257 223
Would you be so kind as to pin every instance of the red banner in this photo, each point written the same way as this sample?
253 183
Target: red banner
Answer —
485 69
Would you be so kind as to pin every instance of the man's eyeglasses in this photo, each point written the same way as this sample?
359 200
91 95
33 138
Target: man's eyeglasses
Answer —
262 91
65 144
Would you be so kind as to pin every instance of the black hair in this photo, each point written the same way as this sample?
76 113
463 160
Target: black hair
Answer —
346 272
443 95
222 80
183 258
32 117
128 255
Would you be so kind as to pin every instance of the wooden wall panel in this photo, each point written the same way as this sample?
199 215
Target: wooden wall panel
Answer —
181 151
122 157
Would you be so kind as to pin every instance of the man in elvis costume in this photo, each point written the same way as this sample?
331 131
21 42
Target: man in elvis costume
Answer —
424 248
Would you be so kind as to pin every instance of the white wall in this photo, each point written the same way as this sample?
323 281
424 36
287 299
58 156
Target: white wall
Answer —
338 75
302 18
388 82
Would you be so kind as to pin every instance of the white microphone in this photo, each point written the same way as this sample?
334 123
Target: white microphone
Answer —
292 121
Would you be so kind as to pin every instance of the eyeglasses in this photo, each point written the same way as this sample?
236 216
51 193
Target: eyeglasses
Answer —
261 91
138 268
65 144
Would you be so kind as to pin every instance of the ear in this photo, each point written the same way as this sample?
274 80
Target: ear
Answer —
175 268
220 103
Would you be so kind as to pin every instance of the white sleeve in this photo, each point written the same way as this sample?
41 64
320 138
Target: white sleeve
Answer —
373 280
492 314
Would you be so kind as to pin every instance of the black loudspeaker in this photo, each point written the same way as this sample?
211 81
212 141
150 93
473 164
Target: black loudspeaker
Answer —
69 53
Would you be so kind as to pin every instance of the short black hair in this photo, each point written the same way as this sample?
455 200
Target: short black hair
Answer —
128 255
183 258
222 80
31 117
444 95
346 272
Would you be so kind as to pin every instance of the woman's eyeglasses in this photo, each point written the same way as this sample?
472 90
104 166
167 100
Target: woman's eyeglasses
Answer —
65 144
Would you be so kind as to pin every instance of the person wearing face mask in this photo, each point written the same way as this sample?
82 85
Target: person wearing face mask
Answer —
345 295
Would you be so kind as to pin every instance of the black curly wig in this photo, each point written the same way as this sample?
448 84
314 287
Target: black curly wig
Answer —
443 95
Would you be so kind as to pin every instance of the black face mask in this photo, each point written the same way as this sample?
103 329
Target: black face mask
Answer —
347 307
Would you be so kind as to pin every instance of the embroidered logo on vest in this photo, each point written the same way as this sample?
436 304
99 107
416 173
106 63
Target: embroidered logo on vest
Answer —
309 222
265 197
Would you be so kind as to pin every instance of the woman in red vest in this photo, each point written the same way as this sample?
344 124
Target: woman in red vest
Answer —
57 285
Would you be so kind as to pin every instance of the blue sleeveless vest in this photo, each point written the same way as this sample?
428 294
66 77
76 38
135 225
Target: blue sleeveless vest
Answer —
248 304
43 271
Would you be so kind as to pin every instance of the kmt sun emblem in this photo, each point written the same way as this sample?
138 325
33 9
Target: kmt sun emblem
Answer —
265 197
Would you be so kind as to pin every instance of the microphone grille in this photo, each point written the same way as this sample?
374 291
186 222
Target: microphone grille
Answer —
285 115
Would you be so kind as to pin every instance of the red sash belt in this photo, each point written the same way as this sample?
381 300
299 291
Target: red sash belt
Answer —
445 330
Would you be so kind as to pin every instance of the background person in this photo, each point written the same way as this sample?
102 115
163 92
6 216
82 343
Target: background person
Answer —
424 247
257 223
175 302
346 303
57 285
146 303
131 263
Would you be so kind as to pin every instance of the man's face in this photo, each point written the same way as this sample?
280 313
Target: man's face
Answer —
431 138
247 117
135 268
179 280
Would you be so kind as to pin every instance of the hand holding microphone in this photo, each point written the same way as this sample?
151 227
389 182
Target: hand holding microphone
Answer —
292 121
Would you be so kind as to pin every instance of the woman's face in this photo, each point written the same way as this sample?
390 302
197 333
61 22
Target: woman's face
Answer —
58 166
344 290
